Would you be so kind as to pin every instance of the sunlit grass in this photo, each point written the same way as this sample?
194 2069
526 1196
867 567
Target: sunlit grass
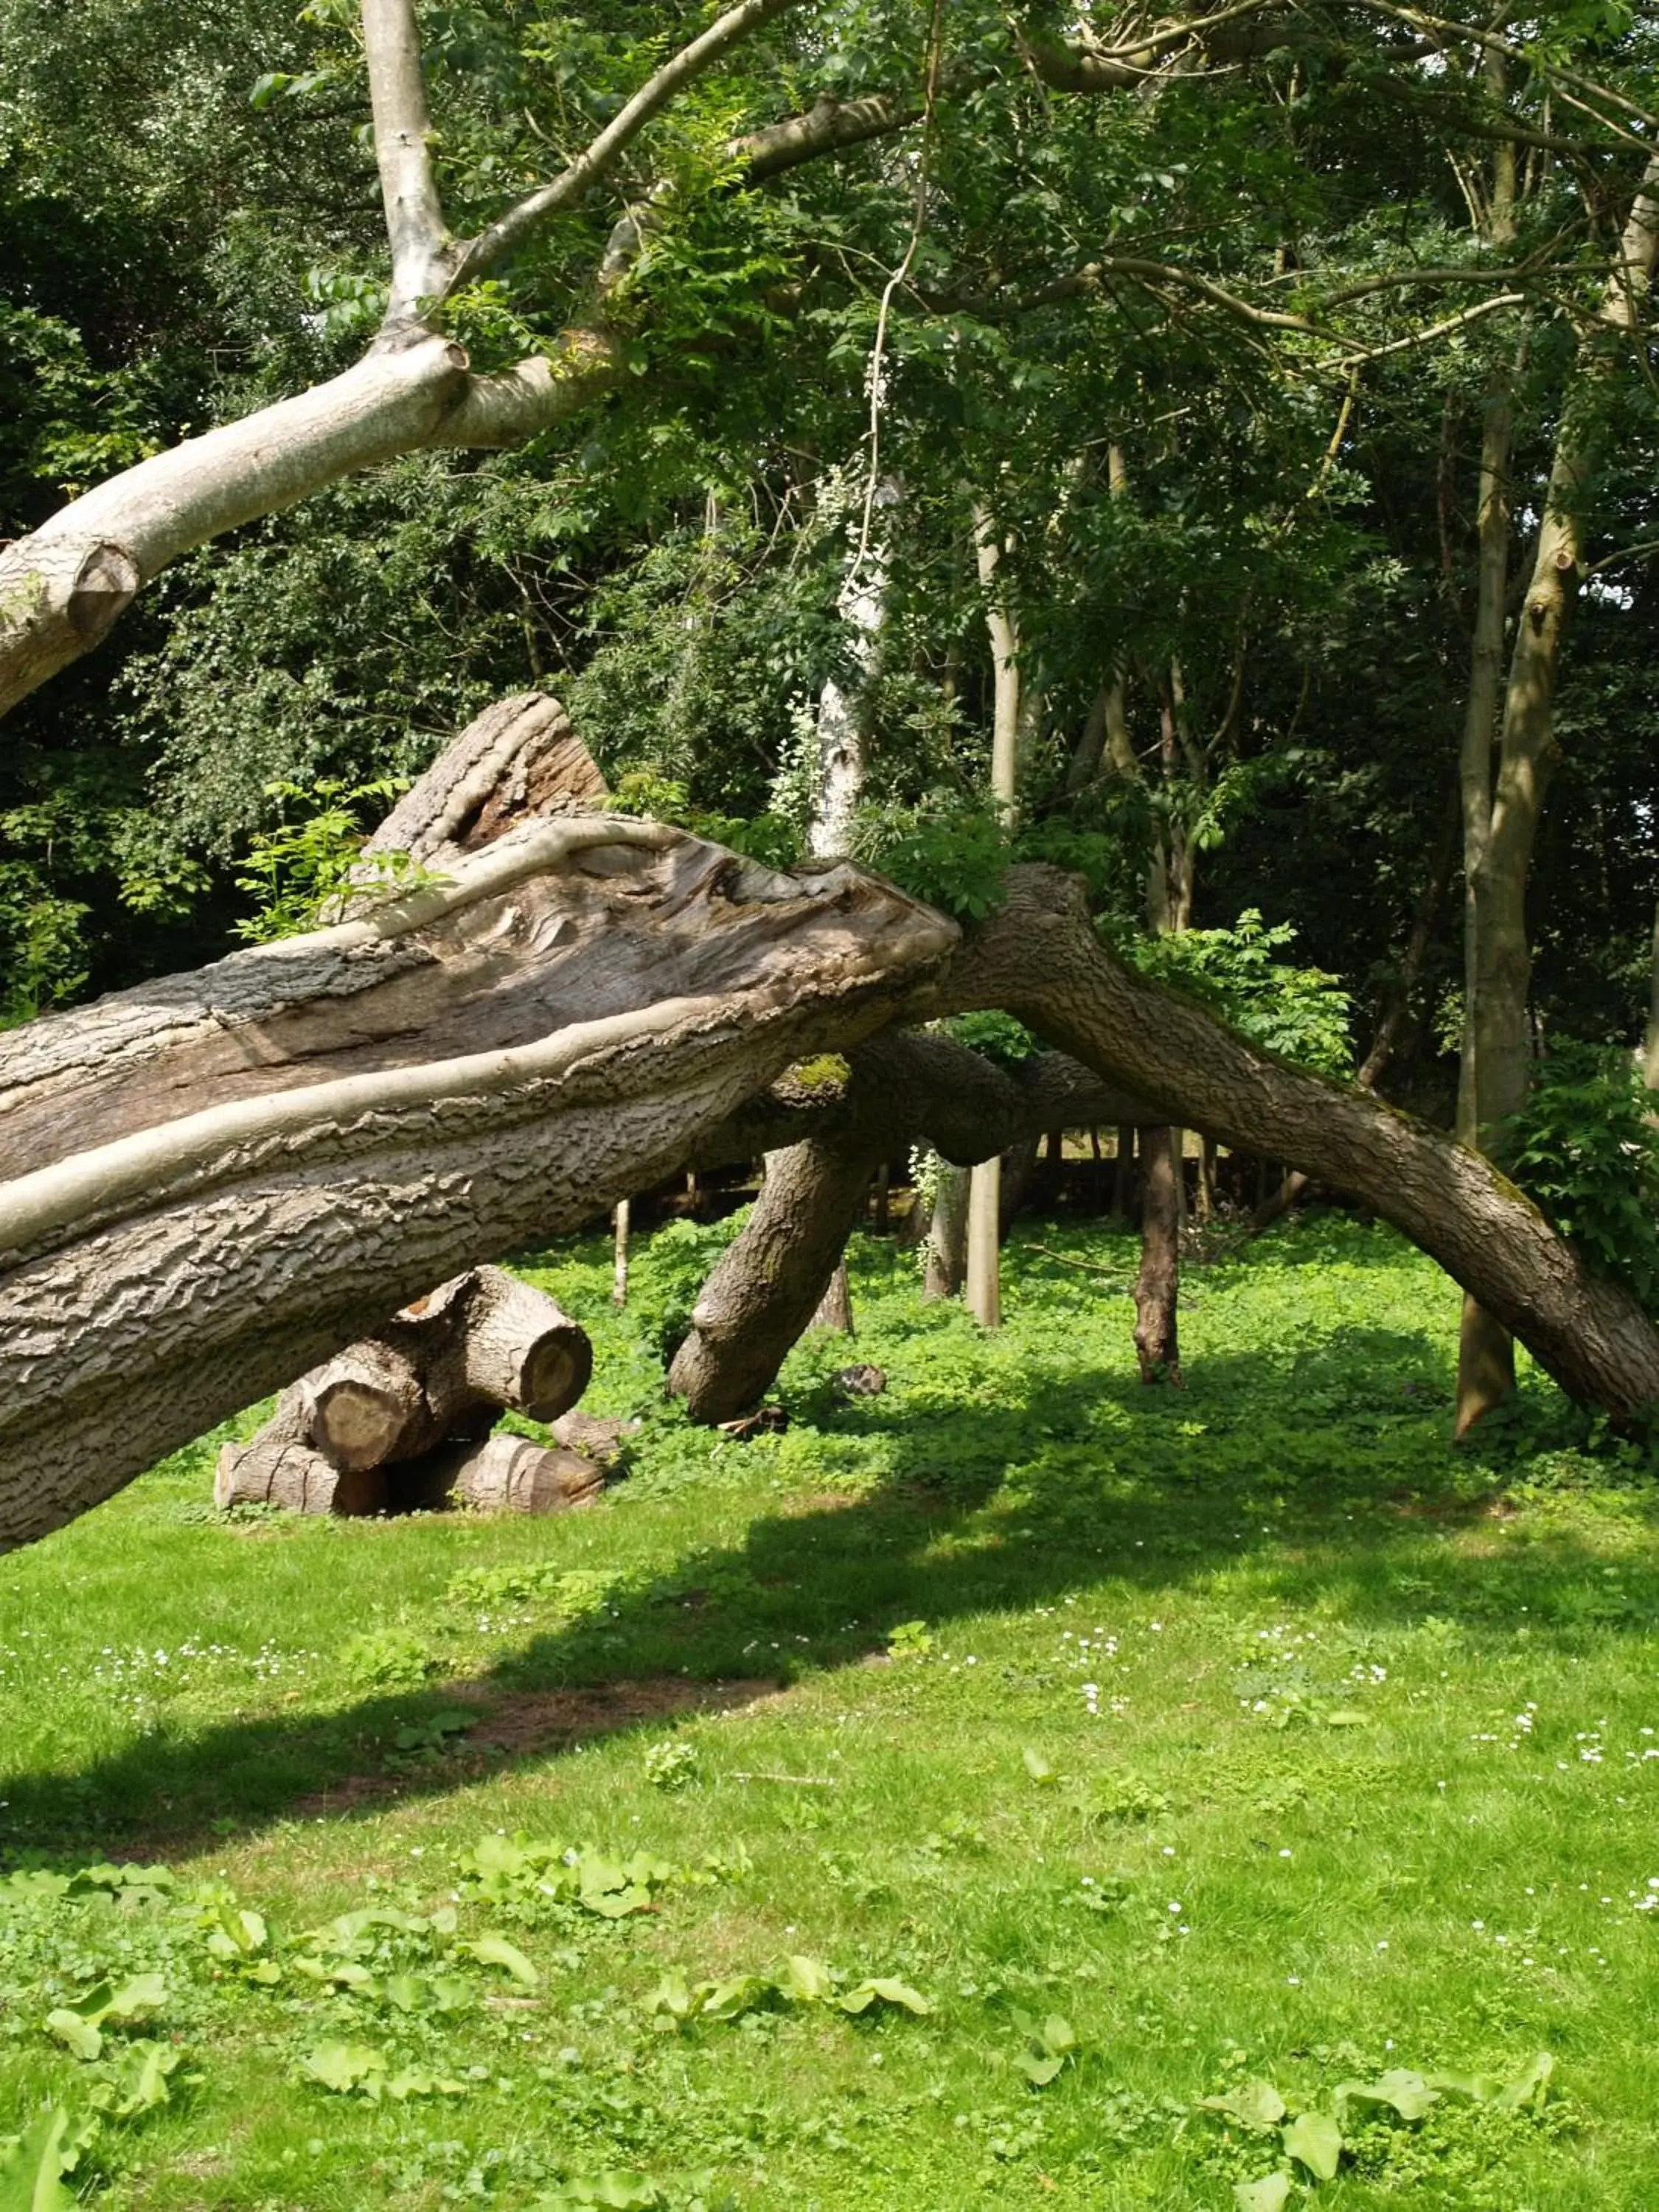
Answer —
1251 1730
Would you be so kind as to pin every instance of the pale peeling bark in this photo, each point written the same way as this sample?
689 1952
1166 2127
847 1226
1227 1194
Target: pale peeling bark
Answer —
371 1108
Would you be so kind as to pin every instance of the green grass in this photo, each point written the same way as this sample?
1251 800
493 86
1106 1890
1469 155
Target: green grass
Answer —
1366 1780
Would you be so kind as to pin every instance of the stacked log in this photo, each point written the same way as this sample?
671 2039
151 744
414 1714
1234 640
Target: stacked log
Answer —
401 1420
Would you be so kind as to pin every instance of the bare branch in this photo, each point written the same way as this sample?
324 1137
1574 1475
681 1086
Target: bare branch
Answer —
598 159
414 218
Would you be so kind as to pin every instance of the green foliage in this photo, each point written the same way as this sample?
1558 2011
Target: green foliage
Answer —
1301 1014
953 856
1585 1147
996 1035
299 874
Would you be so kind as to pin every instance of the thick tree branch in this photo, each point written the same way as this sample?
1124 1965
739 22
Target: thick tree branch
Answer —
901 1089
414 219
1041 958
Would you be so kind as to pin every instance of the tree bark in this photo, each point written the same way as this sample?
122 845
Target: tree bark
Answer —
900 1088
946 1268
984 1229
367 1108
1501 821
1158 1286
1041 958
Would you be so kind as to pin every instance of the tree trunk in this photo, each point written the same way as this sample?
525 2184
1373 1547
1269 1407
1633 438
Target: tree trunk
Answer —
985 1242
1158 1286
620 1220
833 1314
900 1089
368 1107
985 1181
947 1236
1040 958
1499 971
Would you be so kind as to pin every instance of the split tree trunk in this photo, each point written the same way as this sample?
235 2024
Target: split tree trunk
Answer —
374 1105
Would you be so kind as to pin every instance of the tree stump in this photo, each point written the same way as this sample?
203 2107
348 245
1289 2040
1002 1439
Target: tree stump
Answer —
376 1427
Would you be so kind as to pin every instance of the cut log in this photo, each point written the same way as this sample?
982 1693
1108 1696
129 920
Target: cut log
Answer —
279 1467
439 1373
510 1474
594 1438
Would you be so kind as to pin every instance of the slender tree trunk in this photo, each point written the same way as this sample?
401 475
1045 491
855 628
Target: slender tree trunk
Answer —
985 1189
1497 1028
834 1312
619 1263
1157 1286
947 1234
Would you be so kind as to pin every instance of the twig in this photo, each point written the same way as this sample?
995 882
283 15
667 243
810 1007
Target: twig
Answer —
1066 1261
793 1781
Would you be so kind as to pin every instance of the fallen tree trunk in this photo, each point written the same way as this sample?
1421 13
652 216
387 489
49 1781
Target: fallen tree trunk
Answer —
581 1008
1041 958
899 1089
478 1064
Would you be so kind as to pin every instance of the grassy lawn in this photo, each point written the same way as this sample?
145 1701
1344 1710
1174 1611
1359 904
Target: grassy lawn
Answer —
1139 1748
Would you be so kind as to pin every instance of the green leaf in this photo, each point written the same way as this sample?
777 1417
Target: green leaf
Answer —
343 2067
1315 2139
79 2035
1039 2070
142 1994
730 2000
881 1991
140 2083
808 1981
1408 2093
1253 2104
1528 2087
32 2180
1271 2194
496 1951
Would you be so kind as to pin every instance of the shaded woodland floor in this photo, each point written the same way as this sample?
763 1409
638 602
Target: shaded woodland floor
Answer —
1159 1745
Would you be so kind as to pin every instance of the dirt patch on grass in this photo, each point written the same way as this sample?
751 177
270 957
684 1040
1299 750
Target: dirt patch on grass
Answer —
531 1724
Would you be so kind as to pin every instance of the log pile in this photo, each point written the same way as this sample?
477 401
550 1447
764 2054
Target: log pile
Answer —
401 1419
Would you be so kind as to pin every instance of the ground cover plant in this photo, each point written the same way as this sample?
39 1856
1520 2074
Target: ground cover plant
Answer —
1018 1784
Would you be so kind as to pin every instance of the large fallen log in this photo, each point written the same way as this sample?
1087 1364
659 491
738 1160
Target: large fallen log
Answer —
220 1179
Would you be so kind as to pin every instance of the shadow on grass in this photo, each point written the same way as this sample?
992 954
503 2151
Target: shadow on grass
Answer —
1095 1479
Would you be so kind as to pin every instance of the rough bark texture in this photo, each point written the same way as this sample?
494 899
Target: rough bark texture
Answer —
439 1372
1041 958
367 1108
768 1284
1157 1284
946 1268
